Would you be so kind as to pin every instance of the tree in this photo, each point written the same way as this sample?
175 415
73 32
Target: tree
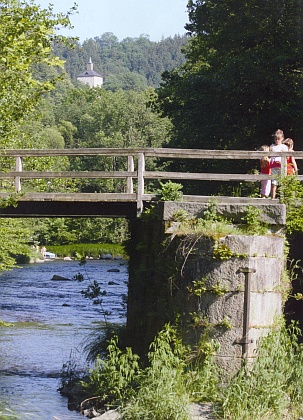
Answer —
27 34
26 37
103 118
243 75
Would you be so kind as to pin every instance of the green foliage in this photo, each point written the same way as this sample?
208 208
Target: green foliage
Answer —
63 231
71 371
215 230
211 225
174 376
15 236
180 216
292 196
199 287
221 251
99 118
7 413
115 378
225 323
252 223
88 250
27 33
150 213
218 288
162 390
273 385
220 98
5 324
170 191
133 63
93 290
211 212
270 387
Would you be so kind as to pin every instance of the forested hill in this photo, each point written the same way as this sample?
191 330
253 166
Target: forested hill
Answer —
133 63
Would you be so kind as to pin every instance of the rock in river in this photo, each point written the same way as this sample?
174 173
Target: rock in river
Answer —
60 278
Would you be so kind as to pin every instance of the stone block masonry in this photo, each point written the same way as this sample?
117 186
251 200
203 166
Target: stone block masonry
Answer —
206 293
220 306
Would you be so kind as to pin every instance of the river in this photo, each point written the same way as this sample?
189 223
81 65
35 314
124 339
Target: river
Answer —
51 322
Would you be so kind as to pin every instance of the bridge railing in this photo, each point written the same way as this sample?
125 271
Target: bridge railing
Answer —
139 173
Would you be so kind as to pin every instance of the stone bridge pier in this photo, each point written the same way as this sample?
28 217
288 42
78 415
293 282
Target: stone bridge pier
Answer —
231 289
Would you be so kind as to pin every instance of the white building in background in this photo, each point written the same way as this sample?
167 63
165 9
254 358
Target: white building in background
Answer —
90 77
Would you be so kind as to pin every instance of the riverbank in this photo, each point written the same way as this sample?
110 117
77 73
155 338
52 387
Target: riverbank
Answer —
37 260
80 401
95 251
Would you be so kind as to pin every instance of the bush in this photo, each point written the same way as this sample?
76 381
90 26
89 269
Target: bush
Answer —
273 385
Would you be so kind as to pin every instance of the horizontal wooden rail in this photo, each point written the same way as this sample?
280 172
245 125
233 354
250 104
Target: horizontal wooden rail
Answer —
67 174
148 152
138 156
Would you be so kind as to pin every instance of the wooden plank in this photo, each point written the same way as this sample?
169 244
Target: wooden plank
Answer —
204 176
68 174
147 175
99 197
124 197
67 152
219 199
148 152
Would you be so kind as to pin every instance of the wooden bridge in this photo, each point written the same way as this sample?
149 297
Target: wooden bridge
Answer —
128 203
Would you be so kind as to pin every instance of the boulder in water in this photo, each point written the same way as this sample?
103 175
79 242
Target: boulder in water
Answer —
60 278
106 257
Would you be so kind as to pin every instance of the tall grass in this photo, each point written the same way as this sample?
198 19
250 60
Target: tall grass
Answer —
270 388
88 250
6 413
163 389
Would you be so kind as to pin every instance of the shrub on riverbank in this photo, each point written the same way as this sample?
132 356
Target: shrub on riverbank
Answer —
176 375
95 251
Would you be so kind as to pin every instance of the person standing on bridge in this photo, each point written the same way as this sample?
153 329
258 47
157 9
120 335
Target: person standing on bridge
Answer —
292 167
275 161
265 170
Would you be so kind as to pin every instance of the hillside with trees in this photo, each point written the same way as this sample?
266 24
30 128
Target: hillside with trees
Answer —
132 64
123 113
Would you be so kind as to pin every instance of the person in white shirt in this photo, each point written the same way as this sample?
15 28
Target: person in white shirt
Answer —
275 161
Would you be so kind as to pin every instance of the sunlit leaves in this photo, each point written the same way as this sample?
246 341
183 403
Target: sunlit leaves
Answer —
26 36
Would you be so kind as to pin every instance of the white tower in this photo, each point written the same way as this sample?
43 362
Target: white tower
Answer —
90 77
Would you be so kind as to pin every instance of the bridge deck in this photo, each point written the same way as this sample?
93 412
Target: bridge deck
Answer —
131 171
101 204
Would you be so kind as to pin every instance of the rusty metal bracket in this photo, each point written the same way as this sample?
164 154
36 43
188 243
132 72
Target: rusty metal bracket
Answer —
245 340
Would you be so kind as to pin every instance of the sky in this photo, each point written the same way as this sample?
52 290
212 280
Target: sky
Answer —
124 18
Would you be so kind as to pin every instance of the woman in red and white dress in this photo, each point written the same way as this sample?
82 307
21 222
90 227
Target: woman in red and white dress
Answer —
275 161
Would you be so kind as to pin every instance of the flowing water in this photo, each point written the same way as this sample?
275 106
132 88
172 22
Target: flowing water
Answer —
51 321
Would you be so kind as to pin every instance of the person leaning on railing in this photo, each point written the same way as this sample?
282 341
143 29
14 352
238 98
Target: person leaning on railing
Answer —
275 161
291 163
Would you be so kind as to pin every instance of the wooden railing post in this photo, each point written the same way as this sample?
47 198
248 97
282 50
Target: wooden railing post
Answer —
17 178
130 168
140 191
283 165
